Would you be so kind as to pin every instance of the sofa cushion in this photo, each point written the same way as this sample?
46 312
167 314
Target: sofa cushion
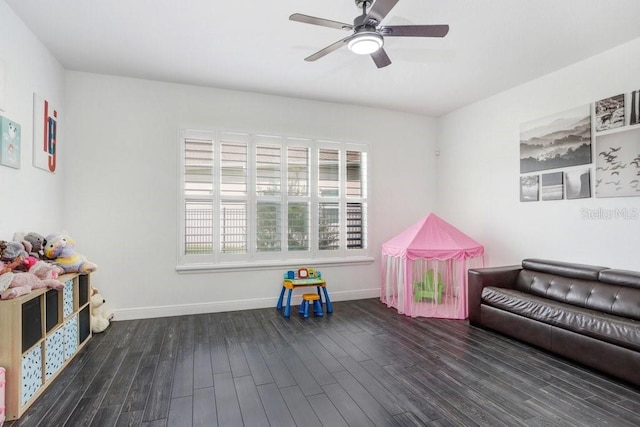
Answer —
565 269
630 279
606 327
608 298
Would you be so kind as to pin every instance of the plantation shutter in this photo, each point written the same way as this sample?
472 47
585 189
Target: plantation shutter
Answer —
268 193
356 192
298 221
198 190
233 193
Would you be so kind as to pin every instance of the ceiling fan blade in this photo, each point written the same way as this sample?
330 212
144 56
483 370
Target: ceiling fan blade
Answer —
414 30
381 58
380 9
306 19
335 46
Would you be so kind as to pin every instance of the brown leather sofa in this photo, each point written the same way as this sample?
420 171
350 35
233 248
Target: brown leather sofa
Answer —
585 313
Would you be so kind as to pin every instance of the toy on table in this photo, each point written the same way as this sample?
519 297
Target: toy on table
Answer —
9 251
60 248
40 275
33 243
299 278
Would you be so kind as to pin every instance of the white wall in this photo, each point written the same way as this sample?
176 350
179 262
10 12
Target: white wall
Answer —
479 170
116 189
122 182
32 199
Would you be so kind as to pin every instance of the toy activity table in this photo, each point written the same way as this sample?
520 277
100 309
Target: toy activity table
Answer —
291 284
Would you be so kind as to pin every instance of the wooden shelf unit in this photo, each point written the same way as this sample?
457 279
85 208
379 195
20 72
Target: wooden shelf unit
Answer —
40 333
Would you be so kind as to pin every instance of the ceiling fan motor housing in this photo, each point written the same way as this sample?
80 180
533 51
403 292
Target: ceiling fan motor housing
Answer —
366 3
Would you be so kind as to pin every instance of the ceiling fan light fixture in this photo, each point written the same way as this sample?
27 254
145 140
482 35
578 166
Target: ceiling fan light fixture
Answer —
365 43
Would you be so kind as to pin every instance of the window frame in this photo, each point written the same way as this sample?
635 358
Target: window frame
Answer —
216 260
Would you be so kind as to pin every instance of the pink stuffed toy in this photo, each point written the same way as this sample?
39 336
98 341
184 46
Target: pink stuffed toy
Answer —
45 270
23 283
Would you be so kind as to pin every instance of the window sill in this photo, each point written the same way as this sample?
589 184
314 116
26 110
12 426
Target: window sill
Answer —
271 265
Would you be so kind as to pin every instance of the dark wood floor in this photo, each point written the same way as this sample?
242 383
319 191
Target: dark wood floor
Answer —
363 365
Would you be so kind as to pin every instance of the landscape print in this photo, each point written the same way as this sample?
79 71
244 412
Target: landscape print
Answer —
529 188
634 118
578 183
618 164
610 113
552 186
556 141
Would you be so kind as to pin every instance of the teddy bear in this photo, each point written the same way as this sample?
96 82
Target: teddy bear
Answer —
23 283
59 247
32 242
100 318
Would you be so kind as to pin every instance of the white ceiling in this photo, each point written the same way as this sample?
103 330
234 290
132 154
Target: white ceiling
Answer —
492 45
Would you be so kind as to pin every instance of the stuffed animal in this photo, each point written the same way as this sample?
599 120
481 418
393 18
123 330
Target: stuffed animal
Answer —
100 319
23 283
5 280
32 242
28 262
45 270
6 268
9 251
60 248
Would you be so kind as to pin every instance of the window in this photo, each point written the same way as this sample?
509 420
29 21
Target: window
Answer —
250 198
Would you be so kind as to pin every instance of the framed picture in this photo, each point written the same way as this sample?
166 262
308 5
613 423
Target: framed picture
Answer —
552 186
529 188
2 86
610 113
10 144
618 164
556 141
45 134
634 116
577 183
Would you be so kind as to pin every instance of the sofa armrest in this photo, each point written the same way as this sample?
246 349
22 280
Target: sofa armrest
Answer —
479 278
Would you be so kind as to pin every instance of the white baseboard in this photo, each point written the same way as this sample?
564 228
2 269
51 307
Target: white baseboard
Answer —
215 307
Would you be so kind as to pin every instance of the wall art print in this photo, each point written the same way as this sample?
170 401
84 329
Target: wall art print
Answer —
634 117
45 134
610 113
2 86
10 143
577 183
552 186
618 164
529 188
556 141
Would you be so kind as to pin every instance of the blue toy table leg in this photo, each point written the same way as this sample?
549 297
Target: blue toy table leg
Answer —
279 306
327 300
287 309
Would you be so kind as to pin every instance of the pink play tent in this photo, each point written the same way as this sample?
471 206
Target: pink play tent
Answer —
424 269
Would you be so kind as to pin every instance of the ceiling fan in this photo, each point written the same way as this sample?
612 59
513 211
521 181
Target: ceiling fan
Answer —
368 35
